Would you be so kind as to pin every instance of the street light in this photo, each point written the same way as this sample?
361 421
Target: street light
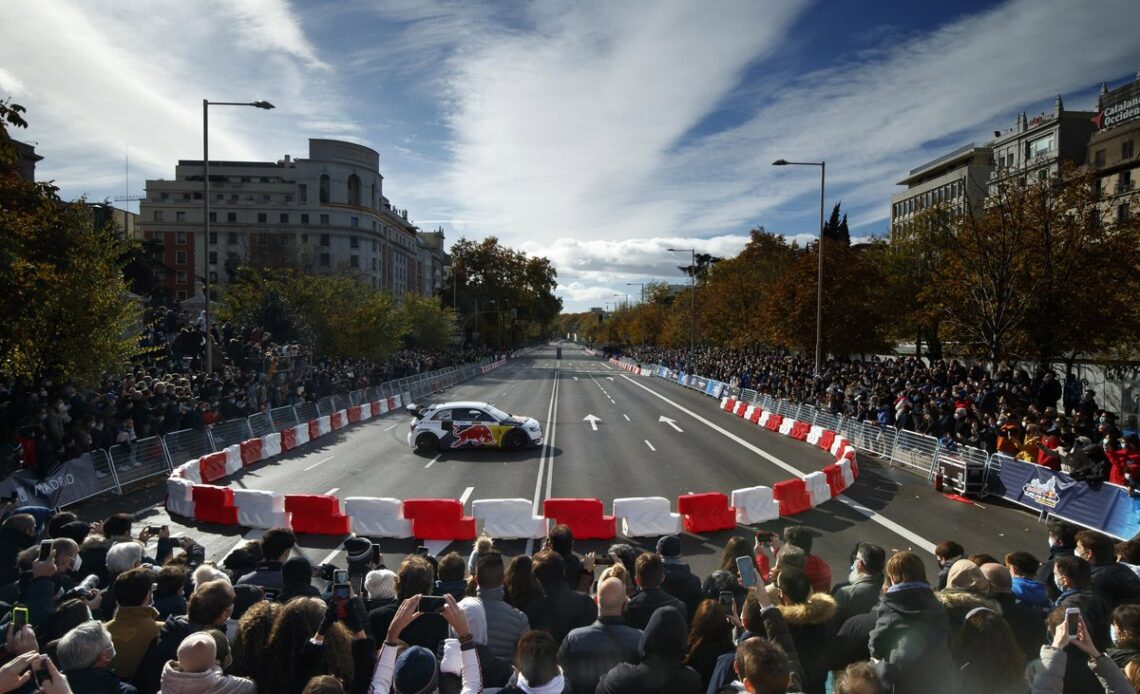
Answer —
641 295
819 281
206 104
692 294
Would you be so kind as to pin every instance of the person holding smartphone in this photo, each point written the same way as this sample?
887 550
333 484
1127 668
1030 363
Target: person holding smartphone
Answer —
1062 667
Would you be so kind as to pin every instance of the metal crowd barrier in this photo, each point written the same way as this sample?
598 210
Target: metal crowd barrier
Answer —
123 464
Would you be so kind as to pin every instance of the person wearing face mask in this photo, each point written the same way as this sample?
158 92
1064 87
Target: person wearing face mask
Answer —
1073 576
135 624
85 654
861 594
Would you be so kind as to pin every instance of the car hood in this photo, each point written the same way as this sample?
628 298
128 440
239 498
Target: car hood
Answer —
514 420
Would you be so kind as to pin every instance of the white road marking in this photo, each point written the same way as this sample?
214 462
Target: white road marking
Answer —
466 495
391 427
432 461
650 445
593 420
626 417
871 515
332 554
332 491
320 463
436 547
671 423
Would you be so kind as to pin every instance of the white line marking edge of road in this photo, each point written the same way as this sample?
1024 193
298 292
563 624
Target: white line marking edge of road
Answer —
915 538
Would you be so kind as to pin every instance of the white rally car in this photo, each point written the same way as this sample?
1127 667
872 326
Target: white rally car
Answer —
470 424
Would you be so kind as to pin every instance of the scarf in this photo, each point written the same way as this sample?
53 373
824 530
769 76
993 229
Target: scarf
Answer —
554 686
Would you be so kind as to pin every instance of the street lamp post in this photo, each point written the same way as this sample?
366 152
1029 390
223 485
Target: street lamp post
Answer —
206 104
692 294
819 281
641 295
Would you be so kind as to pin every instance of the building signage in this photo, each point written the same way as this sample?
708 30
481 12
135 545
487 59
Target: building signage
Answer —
1116 114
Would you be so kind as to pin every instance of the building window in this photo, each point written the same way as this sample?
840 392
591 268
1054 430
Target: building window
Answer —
1039 147
213 279
263 239
164 196
231 238
324 219
305 218
234 199
213 218
1124 182
186 196
1098 158
213 237
304 238
353 242
231 217
354 190
324 239
284 218
303 192
375 246
213 257
262 217
288 197
354 261
158 215
180 216
324 189
180 238
265 198
180 257
220 197
1126 151
1122 213
180 277
373 264
354 221
324 259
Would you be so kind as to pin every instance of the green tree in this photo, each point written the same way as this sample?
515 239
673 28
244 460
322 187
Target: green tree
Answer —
835 229
430 325
67 311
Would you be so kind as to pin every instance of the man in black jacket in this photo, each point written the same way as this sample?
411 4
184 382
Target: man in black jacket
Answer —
1062 543
649 575
679 580
1114 582
276 545
589 652
559 609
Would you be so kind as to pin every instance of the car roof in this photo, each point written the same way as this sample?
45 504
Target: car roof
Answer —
460 403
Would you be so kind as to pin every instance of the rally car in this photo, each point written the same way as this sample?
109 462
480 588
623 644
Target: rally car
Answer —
457 425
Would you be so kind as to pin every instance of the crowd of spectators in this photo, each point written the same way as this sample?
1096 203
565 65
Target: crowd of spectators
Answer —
111 608
169 389
1038 418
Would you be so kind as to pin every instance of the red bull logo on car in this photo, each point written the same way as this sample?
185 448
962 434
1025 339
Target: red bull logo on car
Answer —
473 435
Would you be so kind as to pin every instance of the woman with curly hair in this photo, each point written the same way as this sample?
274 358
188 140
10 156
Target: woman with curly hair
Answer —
251 645
520 584
292 659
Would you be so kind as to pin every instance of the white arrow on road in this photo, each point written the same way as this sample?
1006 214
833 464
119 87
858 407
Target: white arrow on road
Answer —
609 378
592 420
671 423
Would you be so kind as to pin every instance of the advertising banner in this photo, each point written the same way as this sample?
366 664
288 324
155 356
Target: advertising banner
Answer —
68 483
1107 507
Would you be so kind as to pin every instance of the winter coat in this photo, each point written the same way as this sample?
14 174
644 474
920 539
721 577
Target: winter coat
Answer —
1025 621
559 609
859 597
1056 676
683 585
132 631
812 626
911 640
958 603
1121 656
587 653
662 648
267 575
164 648
1115 583
644 604
1095 611
818 572
427 630
12 542
212 681
1045 571
505 624
1030 592
97 680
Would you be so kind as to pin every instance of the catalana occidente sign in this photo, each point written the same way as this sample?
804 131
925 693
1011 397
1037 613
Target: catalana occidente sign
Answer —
1127 108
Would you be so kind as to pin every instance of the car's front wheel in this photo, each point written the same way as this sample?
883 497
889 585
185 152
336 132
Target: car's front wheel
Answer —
426 443
516 441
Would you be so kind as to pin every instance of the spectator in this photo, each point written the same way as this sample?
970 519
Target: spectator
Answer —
947 553
324 684
426 629
416 669
589 652
1074 576
251 645
660 671
1064 666
709 638
135 625
1062 543
276 545
169 591
306 641
559 609
1125 635
561 540
450 576
380 587
1111 580
198 671
210 606
966 589
650 575
987 655
536 666
1026 589
911 637
496 672
1026 622
857 678
865 582
762 667
296 580
520 586
505 624
84 656
817 570
679 580
809 616
17 534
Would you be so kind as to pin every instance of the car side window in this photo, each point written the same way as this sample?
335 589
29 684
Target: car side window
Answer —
481 416
441 415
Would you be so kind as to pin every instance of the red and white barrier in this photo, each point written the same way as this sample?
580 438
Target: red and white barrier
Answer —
270 446
301 434
818 489
317 514
250 451
510 519
258 508
848 475
754 505
377 517
214 504
706 512
786 426
179 496
337 420
585 517
646 516
439 519
813 434
233 459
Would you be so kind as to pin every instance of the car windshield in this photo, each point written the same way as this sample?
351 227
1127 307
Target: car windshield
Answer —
496 412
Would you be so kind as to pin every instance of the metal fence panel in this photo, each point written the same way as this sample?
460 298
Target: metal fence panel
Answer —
325 406
261 424
915 451
826 420
144 458
306 412
881 440
748 395
283 418
228 433
188 444
105 477
340 402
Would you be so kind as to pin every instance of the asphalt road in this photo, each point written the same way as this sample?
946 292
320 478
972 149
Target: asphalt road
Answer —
610 434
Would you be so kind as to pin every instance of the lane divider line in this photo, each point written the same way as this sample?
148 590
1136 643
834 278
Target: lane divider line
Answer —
332 491
320 463
466 495
650 445
547 451
433 461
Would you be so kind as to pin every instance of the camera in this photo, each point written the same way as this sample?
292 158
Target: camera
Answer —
325 572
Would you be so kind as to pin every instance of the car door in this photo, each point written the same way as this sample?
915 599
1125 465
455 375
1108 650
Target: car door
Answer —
470 428
440 425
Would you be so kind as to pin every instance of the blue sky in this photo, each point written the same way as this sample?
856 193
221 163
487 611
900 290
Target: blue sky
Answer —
597 134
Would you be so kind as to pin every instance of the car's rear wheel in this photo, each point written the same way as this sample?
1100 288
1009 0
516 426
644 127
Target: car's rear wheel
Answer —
426 443
516 440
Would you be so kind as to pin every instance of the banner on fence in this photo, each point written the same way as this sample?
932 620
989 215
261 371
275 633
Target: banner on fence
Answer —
68 483
1058 494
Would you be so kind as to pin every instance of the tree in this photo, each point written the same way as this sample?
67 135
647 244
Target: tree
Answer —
836 229
732 303
67 311
431 326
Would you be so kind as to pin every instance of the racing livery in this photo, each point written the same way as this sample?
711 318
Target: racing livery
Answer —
459 425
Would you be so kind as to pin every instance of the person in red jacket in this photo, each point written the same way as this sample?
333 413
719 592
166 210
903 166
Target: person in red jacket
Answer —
816 569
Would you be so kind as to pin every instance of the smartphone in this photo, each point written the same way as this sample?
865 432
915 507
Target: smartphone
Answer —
19 617
604 559
45 550
376 553
764 537
1072 621
340 595
340 576
727 599
270 594
431 603
42 673
197 554
747 569
422 551
154 529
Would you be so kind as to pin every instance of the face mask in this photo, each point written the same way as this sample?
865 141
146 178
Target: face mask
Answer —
75 565
1112 634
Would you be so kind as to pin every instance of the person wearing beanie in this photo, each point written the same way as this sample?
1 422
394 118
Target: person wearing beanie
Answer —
380 587
197 670
1025 621
358 552
966 589
416 670
297 579
679 579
